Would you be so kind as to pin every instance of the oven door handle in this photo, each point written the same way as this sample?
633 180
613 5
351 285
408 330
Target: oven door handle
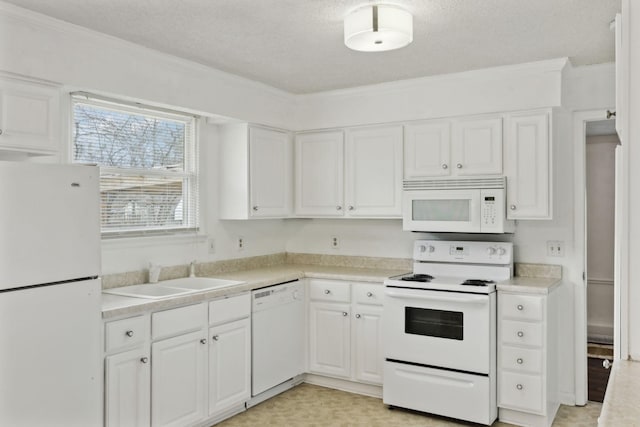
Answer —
464 298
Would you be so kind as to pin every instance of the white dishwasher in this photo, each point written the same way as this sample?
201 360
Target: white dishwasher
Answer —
277 323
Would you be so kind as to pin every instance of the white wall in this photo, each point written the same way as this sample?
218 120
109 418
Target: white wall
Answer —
600 152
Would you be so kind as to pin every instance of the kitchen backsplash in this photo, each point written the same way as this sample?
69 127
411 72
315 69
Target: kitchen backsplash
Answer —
540 271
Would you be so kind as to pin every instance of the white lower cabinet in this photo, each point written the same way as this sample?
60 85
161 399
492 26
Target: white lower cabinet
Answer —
127 388
179 367
344 330
178 380
229 365
527 358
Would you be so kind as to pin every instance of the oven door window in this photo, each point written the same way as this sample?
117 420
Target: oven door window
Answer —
434 323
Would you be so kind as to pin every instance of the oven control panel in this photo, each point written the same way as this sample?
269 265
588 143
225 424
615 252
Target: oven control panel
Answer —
463 252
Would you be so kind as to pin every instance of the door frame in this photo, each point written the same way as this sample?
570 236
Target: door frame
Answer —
580 119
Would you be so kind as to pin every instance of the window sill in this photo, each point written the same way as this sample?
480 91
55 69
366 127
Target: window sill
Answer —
153 240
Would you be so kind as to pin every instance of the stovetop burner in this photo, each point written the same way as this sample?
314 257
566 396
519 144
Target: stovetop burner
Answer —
417 278
477 282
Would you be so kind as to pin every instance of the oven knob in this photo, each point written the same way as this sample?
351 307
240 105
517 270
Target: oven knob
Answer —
422 248
502 251
491 251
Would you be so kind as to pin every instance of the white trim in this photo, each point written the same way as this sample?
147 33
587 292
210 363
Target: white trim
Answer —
580 243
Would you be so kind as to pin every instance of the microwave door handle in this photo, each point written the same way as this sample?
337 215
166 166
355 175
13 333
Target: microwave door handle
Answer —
471 299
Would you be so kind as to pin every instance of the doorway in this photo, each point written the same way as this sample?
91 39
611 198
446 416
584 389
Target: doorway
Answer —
601 141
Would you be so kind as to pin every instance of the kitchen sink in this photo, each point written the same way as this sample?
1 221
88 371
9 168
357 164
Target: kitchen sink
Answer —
172 288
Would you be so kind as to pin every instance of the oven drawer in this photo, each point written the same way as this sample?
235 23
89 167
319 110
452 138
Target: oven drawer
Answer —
521 392
452 394
523 333
367 293
521 359
329 290
521 307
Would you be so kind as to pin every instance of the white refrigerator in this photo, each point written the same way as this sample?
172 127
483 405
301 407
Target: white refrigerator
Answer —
50 315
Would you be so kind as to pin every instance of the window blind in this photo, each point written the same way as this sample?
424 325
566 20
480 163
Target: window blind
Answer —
148 165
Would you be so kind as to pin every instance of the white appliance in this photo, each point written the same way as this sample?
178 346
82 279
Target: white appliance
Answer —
475 205
439 329
50 293
278 325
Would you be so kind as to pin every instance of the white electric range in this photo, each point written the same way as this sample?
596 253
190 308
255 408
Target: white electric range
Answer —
439 329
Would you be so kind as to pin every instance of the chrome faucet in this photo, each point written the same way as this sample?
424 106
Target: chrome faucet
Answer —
192 269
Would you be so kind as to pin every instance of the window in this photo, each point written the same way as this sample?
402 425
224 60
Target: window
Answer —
148 165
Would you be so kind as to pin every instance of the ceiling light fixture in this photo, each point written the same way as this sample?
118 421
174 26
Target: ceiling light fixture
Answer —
378 28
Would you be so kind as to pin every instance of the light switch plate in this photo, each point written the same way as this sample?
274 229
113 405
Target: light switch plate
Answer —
555 248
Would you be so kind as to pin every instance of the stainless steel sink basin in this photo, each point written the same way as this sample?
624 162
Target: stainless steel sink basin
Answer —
172 288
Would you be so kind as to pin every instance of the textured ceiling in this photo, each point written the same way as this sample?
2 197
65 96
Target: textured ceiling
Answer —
296 45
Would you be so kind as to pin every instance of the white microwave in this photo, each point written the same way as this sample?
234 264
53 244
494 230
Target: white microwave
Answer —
456 206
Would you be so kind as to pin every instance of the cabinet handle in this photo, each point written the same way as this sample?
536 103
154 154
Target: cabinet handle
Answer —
358 316
519 386
215 337
327 291
344 313
459 165
351 208
512 207
255 208
338 208
519 361
203 341
369 294
129 333
144 359
520 334
610 114
520 307
444 166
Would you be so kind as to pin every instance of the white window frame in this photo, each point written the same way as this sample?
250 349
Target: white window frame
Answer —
191 173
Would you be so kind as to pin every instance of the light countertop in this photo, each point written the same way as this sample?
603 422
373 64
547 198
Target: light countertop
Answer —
529 285
118 306
621 401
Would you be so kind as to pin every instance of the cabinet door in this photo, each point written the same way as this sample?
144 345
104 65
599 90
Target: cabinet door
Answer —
367 332
128 389
178 379
527 166
269 173
477 146
374 172
329 339
29 116
229 365
427 148
319 174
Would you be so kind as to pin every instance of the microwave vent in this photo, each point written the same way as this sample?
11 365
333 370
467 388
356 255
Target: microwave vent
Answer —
453 184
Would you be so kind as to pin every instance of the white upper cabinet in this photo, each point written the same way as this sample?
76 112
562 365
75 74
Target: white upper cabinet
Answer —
29 116
427 149
319 174
528 165
357 177
255 172
476 147
374 172
443 148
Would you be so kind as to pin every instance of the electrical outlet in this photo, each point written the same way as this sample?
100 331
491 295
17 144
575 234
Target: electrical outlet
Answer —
211 245
555 248
240 243
335 243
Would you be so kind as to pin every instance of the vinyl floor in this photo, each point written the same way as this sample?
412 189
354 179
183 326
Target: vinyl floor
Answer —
313 406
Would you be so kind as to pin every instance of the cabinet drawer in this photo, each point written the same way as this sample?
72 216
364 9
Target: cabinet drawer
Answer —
126 333
521 307
328 290
524 333
226 309
521 359
368 293
520 391
178 320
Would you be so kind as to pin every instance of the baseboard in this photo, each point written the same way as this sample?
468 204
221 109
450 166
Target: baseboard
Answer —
344 385
567 398
228 413
274 391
